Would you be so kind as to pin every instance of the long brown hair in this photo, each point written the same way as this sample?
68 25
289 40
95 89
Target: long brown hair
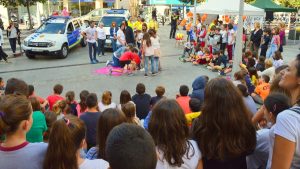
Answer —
224 131
125 97
65 139
129 111
146 28
146 38
106 97
108 119
83 95
13 110
167 123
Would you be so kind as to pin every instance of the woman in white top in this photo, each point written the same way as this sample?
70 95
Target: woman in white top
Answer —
3 55
148 54
121 41
12 34
286 152
105 102
66 139
156 46
101 39
170 133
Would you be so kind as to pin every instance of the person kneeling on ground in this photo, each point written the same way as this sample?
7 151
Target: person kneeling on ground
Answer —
215 63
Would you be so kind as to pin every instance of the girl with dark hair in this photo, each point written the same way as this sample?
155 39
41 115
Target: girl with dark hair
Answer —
148 53
125 97
248 100
107 121
168 123
275 43
224 143
81 106
121 40
70 99
130 113
66 140
15 122
286 151
273 105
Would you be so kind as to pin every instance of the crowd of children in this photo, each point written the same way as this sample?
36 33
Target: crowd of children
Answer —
189 132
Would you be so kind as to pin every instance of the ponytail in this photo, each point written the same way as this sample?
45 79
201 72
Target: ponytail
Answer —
65 139
13 110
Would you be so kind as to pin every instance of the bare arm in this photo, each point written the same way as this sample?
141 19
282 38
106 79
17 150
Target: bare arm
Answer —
283 153
200 164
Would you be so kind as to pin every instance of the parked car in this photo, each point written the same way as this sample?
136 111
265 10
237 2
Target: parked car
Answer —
56 36
94 15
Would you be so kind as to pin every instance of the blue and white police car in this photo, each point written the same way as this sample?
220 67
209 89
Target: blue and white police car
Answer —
56 36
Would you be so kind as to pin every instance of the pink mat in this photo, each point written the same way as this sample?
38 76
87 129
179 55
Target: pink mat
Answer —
105 71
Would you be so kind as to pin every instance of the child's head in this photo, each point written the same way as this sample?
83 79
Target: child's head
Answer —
224 27
184 90
125 97
66 138
130 147
213 29
222 53
252 72
160 91
92 101
195 105
16 86
203 27
248 54
216 54
60 107
206 51
243 89
2 84
268 63
83 95
30 90
275 30
50 119
277 55
192 41
274 104
129 111
152 32
261 59
15 115
70 97
36 106
251 63
267 31
140 88
265 78
134 50
217 30
106 97
58 89
230 26
108 119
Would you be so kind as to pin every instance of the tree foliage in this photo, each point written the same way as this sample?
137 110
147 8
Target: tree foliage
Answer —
15 3
287 3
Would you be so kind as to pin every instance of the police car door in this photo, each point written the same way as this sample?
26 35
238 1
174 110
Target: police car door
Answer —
71 35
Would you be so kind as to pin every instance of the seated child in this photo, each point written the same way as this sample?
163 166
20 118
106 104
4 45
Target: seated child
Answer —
262 90
205 58
215 63
197 54
188 48
184 98
195 106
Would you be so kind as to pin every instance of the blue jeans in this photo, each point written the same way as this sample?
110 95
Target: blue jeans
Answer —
156 64
114 44
147 58
92 51
101 44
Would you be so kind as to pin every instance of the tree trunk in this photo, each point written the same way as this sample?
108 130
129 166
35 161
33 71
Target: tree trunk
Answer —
29 16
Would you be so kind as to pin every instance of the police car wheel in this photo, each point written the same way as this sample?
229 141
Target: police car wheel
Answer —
30 56
83 43
64 51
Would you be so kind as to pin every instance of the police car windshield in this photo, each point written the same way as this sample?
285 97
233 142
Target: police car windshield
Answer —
52 28
108 20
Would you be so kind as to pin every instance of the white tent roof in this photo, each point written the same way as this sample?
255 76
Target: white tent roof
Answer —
227 7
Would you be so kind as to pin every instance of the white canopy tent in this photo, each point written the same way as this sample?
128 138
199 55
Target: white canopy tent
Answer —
227 7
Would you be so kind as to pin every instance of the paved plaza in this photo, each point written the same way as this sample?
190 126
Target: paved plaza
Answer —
75 73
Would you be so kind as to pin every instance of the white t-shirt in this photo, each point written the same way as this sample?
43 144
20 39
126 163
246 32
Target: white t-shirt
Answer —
271 145
288 126
120 106
101 33
231 37
190 163
269 72
149 50
91 34
224 36
13 33
121 35
94 164
103 107
155 42
1 37
259 158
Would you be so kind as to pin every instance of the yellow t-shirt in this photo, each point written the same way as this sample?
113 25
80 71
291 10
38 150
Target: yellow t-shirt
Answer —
191 116
138 25
131 24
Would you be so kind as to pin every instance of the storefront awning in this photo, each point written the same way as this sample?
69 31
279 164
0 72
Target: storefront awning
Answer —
165 2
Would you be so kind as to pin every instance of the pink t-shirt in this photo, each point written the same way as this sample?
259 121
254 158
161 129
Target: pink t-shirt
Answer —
52 99
183 101
276 39
78 108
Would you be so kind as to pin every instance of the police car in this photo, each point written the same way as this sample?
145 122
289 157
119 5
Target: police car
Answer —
113 15
54 37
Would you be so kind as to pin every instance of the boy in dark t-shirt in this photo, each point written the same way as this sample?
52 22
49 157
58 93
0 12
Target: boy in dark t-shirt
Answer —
266 41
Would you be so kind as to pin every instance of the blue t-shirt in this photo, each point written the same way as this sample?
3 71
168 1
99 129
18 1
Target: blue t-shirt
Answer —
142 103
90 119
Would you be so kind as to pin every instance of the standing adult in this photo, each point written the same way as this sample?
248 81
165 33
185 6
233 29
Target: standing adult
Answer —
113 35
154 14
129 35
282 36
1 23
65 12
174 19
91 34
286 150
3 55
12 33
121 39
101 38
256 36
230 41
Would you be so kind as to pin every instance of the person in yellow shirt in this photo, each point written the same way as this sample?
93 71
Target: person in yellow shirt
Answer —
138 24
195 106
131 22
153 24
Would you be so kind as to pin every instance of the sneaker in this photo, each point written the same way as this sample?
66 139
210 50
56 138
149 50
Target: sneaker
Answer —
107 62
130 74
97 61
99 55
142 70
93 62
154 74
103 54
7 61
145 75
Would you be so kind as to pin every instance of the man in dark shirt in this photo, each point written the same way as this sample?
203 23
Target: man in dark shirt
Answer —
129 35
142 101
90 118
174 19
